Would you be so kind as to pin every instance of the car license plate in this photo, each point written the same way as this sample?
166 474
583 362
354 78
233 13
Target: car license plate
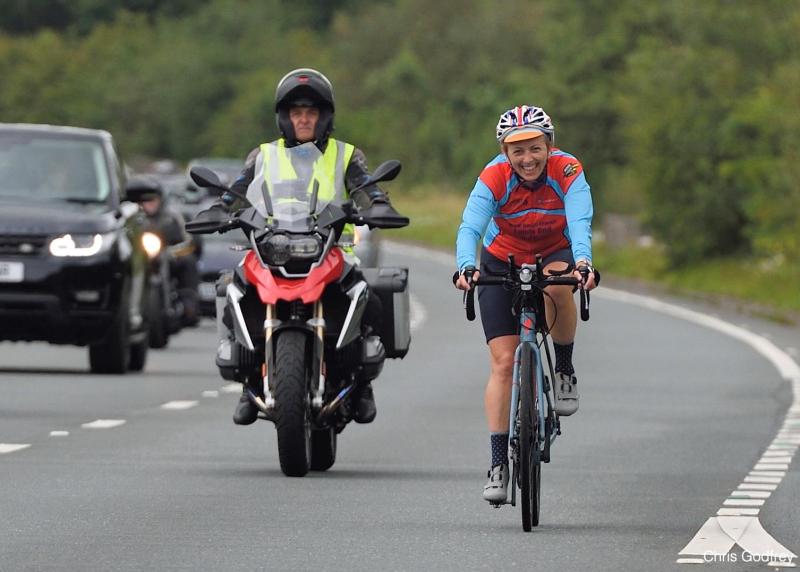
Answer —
208 291
11 271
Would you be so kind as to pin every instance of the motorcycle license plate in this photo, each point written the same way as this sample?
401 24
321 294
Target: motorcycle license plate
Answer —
11 271
208 291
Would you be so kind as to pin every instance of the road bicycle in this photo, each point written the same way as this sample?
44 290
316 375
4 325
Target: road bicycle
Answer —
533 422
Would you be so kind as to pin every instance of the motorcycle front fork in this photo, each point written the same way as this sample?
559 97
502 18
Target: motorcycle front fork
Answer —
317 326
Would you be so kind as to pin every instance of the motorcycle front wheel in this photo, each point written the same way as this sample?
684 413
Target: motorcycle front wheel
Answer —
292 414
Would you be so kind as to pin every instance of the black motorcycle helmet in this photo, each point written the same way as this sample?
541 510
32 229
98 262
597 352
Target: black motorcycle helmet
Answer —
144 188
304 87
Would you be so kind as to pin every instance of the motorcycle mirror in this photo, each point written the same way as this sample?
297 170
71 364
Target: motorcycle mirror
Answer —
208 179
386 171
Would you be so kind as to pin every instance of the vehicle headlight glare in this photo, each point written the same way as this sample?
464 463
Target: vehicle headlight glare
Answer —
79 245
152 244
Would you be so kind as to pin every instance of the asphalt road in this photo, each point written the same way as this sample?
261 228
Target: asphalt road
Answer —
673 417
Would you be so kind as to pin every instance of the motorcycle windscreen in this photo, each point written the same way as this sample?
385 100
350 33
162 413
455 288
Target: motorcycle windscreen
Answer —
294 183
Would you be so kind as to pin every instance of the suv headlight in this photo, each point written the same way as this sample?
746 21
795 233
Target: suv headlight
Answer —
279 249
80 245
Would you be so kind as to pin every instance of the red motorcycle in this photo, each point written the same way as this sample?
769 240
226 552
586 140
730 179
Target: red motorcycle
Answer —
296 305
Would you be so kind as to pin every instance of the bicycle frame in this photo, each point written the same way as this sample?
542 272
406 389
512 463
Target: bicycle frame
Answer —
528 337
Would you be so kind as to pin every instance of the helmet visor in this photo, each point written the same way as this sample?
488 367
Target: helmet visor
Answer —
522 134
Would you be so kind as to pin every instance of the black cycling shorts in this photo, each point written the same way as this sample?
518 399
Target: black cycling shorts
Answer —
495 301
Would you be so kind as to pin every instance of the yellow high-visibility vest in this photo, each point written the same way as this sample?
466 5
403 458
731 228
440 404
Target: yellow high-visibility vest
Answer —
329 171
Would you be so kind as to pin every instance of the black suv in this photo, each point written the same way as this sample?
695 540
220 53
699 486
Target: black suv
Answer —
73 269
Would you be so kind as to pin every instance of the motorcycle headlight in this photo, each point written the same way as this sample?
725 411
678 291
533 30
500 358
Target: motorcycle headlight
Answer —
152 244
279 249
80 245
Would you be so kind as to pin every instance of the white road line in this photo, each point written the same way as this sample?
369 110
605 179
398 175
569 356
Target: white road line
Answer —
231 388
774 480
12 447
59 433
738 512
741 493
104 424
738 502
210 393
179 405
779 474
749 486
772 467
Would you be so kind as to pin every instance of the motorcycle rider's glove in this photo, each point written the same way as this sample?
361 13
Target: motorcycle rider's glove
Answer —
374 207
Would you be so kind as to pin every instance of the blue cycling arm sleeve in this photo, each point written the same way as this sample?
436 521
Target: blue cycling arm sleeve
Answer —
579 210
480 208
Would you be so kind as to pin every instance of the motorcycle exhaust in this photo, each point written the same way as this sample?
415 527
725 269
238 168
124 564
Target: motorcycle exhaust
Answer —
327 412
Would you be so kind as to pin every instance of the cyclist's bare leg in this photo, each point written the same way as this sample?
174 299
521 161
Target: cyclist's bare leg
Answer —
560 309
498 389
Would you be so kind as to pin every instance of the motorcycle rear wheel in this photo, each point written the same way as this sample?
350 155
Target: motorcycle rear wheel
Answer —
323 449
292 414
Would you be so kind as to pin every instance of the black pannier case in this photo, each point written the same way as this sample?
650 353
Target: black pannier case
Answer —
391 285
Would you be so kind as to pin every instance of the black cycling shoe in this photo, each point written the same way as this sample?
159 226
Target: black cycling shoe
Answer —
364 410
246 411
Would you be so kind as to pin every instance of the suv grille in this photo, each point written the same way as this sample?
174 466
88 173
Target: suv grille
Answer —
25 245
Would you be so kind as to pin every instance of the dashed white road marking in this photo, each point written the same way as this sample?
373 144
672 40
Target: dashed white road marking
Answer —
179 405
12 447
231 388
59 433
104 424
210 393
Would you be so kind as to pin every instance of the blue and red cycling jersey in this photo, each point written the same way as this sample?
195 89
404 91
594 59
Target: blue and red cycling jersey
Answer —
551 214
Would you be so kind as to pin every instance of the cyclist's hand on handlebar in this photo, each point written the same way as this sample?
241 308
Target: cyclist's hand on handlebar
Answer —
586 274
466 277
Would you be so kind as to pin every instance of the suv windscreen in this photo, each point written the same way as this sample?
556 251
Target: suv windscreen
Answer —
35 166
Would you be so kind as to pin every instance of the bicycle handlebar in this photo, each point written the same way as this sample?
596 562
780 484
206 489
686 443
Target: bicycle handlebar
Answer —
469 295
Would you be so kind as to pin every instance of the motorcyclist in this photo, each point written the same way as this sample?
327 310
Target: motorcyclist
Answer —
170 226
304 112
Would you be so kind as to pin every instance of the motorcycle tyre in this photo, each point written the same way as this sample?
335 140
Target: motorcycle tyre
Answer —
292 415
159 336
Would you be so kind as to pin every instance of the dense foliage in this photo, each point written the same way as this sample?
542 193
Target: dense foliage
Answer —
684 113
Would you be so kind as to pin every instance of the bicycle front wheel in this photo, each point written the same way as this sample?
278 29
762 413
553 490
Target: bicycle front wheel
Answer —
530 462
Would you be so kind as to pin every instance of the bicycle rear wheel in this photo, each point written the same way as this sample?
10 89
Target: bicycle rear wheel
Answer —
530 462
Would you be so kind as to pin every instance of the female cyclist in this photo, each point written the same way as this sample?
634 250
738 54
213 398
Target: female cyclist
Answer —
530 199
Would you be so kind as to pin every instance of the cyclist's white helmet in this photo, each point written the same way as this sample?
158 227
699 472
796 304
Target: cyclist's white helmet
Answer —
524 122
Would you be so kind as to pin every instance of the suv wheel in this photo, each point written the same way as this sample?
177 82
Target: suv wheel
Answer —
113 354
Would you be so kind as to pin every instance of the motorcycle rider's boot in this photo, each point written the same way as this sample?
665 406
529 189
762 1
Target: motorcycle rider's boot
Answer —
364 410
246 411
